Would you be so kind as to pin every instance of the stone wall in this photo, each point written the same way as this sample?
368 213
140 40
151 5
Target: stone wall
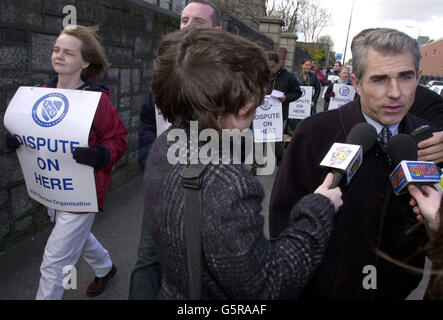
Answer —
232 24
288 42
130 31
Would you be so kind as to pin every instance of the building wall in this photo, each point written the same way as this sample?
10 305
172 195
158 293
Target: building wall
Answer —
130 31
247 11
432 62
172 5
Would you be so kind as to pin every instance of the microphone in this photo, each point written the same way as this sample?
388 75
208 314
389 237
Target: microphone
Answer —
346 158
422 133
403 151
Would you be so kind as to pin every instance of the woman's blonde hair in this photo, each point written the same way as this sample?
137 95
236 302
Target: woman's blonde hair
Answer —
91 50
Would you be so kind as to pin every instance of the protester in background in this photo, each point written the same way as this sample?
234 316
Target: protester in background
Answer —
386 66
77 58
343 79
147 130
286 82
332 72
283 81
307 78
316 69
146 275
226 79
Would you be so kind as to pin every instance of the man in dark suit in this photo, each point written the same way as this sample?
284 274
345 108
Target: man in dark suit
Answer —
386 74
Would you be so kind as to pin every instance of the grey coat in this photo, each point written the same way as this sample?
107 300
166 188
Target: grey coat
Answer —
238 261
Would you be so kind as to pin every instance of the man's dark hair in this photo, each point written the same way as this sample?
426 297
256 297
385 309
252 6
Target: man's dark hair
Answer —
216 15
273 57
203 74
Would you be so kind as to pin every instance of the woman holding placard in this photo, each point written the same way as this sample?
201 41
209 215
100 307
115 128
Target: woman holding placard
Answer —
78 57
307 78
343 79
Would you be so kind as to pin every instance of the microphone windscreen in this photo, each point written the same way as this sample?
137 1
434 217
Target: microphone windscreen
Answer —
402 147
362 134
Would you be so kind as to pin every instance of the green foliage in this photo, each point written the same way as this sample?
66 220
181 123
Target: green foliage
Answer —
316 54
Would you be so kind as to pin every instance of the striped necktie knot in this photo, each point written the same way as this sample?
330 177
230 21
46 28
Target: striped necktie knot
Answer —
384 135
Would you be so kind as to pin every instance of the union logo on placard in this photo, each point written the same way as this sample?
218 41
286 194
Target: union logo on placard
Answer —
50 109
303 92
344 91
266 106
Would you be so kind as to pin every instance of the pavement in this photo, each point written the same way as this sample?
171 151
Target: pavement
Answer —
118 229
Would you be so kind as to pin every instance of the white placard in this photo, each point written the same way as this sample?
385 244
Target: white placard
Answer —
160 123
268 121
301 108
277 94
50 123
343 95
333 77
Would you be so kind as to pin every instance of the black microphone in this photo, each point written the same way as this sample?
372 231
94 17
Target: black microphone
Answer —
422 133
346 158
403 151
402 147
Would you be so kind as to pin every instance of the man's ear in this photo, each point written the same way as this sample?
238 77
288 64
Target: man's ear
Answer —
355 83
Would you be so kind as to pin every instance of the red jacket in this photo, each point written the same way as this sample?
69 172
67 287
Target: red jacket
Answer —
107 130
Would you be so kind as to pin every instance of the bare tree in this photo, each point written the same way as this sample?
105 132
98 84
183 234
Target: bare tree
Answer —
287 11
327 39
305 17
312 20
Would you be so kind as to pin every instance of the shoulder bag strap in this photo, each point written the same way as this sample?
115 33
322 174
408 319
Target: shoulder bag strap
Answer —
192 178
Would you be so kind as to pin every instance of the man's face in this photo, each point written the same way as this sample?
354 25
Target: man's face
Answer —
198 15
387 87
336 66
274 66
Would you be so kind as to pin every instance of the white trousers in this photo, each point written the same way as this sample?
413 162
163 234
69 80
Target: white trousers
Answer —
70 239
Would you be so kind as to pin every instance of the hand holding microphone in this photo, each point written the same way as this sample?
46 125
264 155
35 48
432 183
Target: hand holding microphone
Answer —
426 205
333 194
